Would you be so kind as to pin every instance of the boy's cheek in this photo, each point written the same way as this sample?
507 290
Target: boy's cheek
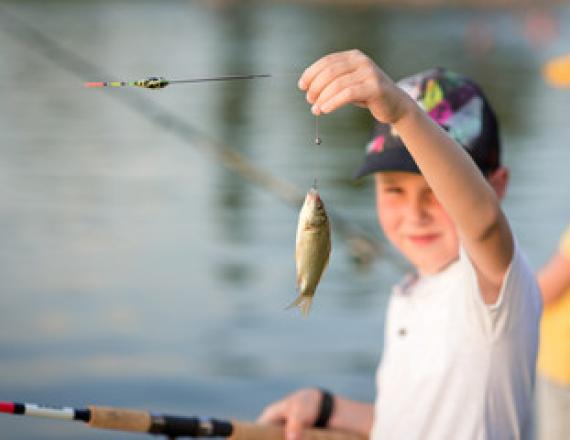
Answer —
389 225
387 211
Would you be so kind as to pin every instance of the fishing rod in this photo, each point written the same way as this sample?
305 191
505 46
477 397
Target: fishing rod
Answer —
121 419
158 82
363 246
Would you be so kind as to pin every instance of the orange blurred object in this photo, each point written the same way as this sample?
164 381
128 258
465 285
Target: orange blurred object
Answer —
557 71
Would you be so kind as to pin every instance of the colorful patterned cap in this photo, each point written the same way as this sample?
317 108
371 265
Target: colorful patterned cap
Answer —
458 105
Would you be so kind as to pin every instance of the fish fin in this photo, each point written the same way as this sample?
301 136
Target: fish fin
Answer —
303 302
295 303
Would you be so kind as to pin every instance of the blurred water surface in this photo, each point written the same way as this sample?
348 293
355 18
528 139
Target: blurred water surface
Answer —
137 271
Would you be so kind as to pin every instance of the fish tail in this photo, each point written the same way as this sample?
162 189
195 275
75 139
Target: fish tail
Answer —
305 306
303 302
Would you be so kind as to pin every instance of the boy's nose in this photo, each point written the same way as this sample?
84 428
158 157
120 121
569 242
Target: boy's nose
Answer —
417 209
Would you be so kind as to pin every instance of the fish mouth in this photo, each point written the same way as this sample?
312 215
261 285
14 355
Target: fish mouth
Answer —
313 194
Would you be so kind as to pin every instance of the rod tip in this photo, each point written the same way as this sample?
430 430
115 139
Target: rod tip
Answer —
94 84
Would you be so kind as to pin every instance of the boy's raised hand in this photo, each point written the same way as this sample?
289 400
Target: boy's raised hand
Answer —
351 77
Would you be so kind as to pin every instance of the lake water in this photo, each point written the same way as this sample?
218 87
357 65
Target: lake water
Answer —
136 270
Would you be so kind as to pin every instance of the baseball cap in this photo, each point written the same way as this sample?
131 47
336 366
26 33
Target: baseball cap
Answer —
457 104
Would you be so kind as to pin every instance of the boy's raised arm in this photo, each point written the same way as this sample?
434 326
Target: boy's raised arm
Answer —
351 77
465 194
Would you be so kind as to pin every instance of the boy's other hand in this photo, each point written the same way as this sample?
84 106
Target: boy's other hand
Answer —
297 411
351 77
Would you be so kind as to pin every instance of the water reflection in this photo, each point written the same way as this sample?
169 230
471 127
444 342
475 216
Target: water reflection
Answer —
234 104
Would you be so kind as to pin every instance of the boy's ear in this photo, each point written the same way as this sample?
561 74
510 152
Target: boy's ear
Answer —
499 180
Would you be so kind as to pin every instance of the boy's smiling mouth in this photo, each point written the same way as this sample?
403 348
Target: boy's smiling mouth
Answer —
423 239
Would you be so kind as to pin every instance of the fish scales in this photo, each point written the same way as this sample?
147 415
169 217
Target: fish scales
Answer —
313 248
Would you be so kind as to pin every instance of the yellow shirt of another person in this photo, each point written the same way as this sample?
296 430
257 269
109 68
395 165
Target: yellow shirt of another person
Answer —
554 351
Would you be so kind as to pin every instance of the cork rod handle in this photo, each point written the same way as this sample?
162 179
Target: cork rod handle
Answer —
119 419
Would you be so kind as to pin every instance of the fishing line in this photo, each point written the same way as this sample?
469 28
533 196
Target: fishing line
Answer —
363 246
318 142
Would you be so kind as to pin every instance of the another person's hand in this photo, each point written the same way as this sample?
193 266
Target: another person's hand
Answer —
297 411
351 77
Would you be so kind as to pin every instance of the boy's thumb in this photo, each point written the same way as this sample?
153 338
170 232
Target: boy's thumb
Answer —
293 429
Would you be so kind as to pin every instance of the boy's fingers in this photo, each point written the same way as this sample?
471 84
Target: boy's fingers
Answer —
329 74
283 412
353 94
294 428
274 413
338 85
313 70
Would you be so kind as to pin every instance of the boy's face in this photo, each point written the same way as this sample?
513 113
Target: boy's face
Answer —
414 221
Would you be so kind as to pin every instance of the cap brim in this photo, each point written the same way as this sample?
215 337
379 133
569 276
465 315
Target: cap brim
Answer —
391 159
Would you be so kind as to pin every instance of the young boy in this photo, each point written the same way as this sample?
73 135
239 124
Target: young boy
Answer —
461 333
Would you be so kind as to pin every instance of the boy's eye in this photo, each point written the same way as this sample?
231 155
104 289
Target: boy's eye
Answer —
393 190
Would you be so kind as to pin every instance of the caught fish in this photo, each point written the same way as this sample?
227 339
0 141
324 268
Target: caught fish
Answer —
313 247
